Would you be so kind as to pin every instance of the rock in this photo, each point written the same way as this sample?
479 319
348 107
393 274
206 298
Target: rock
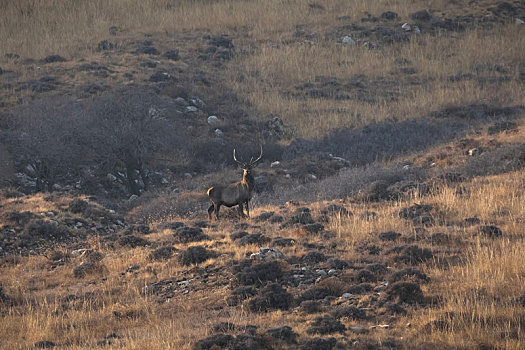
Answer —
348 40
318 344
266 253
172 55
271 297
189 234
213 120
404 292
218 133
326 325
490 231
389 15
406 27
284 333
195 255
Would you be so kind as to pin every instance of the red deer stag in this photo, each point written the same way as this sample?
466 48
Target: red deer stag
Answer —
237 193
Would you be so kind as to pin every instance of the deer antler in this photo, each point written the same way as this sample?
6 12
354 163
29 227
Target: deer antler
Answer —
258 159
235 158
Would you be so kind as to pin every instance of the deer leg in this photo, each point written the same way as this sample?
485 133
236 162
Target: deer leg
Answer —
210 210
217 207
239 208
247 209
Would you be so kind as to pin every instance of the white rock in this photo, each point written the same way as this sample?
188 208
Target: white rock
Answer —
274 164
188 175
348 40
132 198
50 213
322 272
191 109
417 30
219 133
267 253
213 120
346 295
303 268
111 211
331 271
312 177
197 102
406 27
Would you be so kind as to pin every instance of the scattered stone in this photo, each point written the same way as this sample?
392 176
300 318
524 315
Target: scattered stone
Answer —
271 297
348 40
284 333
389 236
405 292
195 255
266 253
490 231
189 234
326 325
213 120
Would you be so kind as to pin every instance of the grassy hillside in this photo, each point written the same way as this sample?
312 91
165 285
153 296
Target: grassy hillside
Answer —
392 180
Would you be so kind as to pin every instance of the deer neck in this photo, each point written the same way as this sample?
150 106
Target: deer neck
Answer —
249 180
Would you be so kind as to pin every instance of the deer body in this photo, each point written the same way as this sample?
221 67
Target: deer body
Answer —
238 193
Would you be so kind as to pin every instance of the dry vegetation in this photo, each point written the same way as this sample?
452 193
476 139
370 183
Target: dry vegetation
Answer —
284 50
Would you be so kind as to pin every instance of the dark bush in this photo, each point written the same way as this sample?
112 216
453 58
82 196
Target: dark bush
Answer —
78 206
326 325
189 234
195 255
271 297
259 273
47 230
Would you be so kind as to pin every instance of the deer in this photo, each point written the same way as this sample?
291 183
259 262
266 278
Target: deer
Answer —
238 193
